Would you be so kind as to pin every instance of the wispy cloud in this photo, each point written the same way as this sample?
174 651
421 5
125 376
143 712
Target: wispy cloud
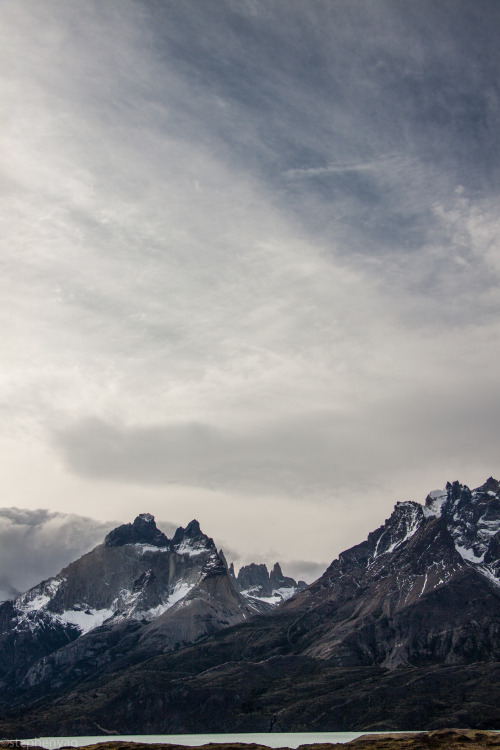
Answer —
250 254
376 165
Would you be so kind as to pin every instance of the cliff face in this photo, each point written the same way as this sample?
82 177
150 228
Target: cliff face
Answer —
257 584
136 577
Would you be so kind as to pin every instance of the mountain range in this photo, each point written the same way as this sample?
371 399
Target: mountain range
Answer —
146 634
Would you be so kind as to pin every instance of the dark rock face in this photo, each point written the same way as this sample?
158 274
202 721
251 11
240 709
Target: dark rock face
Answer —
142 531
401 632
254 577
415 592
255 581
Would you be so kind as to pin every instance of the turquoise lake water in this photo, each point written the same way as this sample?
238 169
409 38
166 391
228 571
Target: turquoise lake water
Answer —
274 739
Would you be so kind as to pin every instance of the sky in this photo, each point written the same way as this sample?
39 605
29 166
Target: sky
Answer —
249 271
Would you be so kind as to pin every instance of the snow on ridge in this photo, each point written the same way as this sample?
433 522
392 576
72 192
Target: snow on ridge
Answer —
38 597
142 548
274 599
146 517
435 501
411 530
87 619
180 591
434 494
285 593
468 554
410 523
187 547
128 608
277 596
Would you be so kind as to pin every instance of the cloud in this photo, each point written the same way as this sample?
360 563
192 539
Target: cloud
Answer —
304 570
251 249
306 456
37 544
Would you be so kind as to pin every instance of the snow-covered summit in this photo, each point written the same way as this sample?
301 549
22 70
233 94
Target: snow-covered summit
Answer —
469 519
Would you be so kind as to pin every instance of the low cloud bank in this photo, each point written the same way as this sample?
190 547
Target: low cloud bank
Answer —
36 544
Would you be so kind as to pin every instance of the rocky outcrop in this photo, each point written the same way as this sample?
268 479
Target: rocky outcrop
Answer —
255 582
142 531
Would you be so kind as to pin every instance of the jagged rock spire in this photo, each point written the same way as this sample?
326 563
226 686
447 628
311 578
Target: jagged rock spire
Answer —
142 531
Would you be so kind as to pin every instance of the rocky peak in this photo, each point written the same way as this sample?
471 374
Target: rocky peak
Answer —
214 566
142 531
192 531
456 527
223 558
191 540
253 576
279 582
491 488
255 581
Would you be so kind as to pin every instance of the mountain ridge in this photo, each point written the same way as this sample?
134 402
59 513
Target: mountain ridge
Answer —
413 610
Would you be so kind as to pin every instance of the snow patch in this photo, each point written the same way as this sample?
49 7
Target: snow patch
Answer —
435 502
187 547
142 548
285 593
179 592
468 555
273 600
146 517
488 528
87 619
38 597
35 603
278 595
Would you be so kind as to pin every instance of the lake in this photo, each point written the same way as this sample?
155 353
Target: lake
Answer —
274 739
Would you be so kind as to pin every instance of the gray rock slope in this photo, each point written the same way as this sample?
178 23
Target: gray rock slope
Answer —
136 576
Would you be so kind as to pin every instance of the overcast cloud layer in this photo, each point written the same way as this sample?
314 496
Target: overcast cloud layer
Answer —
250 264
